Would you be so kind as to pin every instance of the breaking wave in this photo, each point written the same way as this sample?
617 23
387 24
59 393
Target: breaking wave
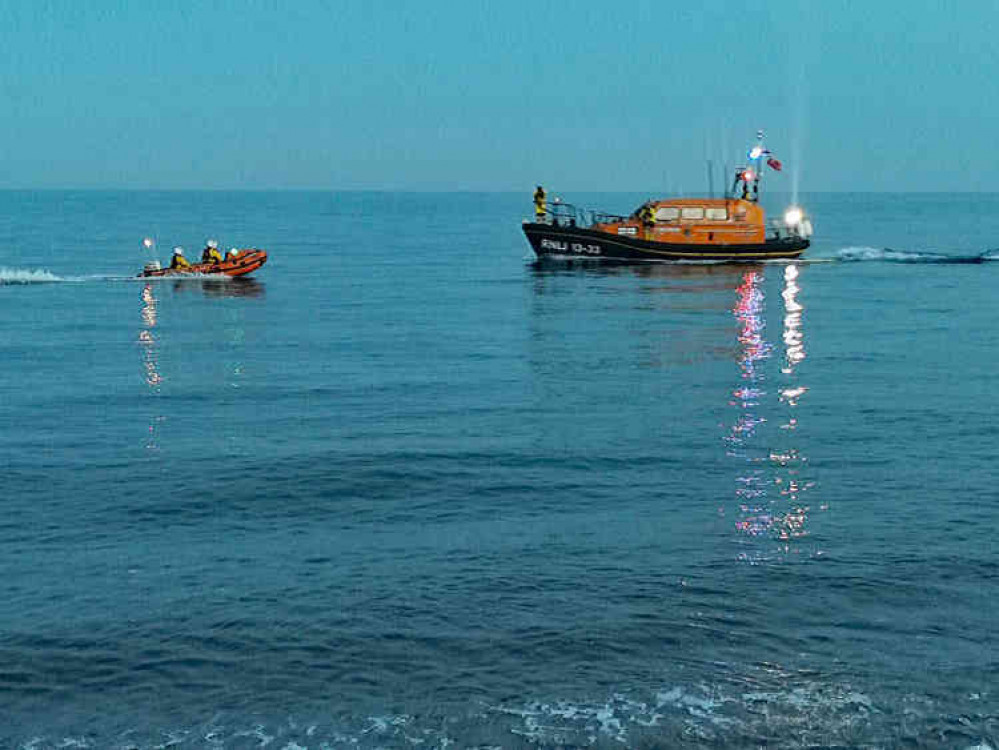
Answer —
800 714
888 255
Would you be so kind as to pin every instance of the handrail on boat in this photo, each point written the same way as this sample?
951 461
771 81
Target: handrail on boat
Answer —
568 215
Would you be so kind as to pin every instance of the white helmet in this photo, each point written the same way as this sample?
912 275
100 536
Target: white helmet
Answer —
178 251
213 244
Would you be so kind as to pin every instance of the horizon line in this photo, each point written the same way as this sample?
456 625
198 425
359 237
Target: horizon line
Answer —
452 191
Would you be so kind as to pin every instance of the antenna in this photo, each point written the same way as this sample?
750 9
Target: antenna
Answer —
711 180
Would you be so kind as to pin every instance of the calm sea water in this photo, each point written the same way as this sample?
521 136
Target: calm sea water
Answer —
406 490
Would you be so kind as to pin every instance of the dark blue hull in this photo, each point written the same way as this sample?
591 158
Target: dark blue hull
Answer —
549 240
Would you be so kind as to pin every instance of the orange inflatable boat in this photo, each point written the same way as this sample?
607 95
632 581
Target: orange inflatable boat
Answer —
242 263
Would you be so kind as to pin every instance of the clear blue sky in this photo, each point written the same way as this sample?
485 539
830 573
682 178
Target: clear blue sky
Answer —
444 95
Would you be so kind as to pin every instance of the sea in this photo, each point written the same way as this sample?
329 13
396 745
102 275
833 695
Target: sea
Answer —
405 488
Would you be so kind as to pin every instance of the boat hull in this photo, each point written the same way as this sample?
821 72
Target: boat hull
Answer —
246 262
552 241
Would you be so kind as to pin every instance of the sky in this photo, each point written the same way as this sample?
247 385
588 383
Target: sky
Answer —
874 95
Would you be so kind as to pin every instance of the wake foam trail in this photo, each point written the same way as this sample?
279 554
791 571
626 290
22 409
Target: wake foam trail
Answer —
887 255
27 276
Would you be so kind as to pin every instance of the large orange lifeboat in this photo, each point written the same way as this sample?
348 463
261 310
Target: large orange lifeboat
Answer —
731 228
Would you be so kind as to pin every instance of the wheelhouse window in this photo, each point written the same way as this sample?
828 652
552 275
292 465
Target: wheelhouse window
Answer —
692 212
667 213
716 214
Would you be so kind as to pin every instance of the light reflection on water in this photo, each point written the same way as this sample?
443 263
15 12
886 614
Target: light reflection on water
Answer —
150 358
770 484
794 338
241 286
229 328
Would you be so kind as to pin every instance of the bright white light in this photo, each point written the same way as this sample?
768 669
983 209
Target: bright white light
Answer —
756 152
793 216
148 242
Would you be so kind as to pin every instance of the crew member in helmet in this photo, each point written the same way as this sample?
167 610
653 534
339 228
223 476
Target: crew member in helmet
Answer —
178 260
211 253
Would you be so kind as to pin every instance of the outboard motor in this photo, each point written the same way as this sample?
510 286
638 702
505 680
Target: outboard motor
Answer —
153 265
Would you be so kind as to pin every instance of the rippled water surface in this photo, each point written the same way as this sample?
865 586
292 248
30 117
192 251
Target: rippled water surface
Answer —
405 489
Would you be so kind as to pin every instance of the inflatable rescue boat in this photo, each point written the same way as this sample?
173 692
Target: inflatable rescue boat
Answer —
241 263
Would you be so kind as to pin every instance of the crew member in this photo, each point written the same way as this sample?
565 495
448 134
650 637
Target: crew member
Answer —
540 209
178 260
648 215
211 253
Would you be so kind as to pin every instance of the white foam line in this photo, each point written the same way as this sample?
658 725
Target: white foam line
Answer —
27 276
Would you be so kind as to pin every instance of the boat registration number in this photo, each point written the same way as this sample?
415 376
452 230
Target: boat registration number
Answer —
571 247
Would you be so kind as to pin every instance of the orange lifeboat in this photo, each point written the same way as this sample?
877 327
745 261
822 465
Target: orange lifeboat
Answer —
732 228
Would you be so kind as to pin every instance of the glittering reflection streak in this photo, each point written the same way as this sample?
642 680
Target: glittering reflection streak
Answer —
794 339
791 523
769 488
150 357
147 339
754 347
751 491
749 311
